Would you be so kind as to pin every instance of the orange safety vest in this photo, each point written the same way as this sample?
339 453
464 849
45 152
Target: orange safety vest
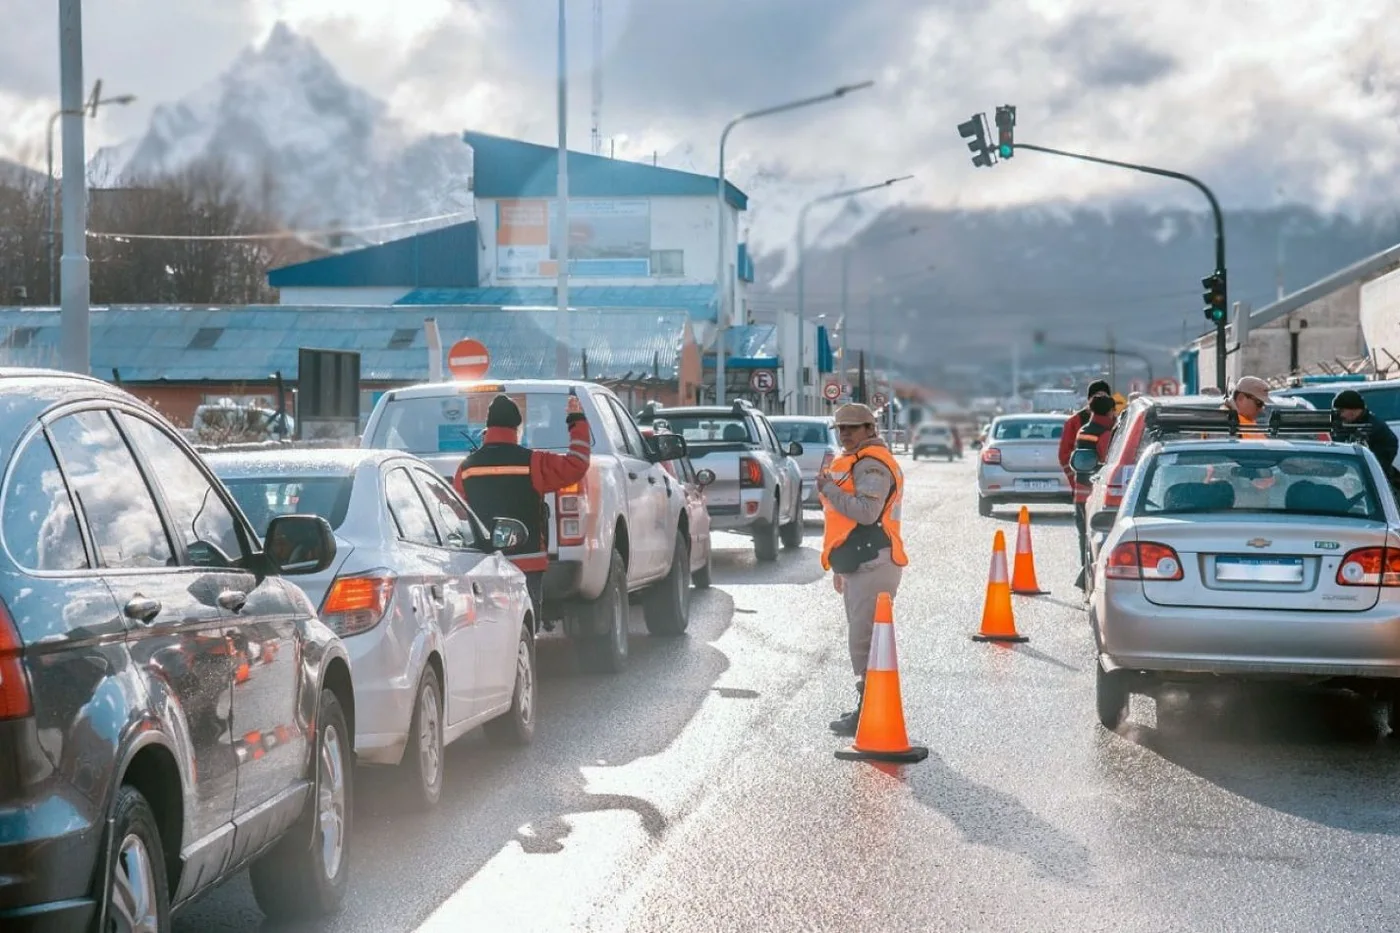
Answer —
839 527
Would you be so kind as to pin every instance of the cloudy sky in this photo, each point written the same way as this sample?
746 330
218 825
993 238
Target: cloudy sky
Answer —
1266 99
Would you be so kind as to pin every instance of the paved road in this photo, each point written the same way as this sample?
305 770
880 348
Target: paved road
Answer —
698 791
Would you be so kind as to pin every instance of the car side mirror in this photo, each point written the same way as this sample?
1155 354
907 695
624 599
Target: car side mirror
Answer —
1103 520
705 477
508 534
794 449
666 447
1084 461
297 545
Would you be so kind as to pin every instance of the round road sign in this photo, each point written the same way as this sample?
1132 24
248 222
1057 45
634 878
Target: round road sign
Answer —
1166 387
468 359
763 380
832 391
879 400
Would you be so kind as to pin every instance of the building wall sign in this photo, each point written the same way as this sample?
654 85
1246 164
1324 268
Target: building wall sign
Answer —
607 239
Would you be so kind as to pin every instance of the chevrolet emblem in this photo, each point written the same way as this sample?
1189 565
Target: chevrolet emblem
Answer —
1258 542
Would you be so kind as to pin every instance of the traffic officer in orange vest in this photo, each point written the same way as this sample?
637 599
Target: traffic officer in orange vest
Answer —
503 479
861 496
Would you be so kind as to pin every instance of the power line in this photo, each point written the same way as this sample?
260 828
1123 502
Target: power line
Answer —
282 235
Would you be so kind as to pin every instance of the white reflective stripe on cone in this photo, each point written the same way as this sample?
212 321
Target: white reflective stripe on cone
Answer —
998 572
882 654
1023 540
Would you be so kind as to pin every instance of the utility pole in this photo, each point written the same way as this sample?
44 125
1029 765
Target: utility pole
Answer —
75 316
597 77
561 323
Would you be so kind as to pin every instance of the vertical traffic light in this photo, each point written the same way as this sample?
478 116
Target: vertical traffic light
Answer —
976 135
1214 296
1006 124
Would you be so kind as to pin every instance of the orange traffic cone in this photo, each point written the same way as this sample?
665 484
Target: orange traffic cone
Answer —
998 624
1023 580
880 735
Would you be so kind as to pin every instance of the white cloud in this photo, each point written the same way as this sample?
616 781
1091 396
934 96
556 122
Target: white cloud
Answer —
1255 95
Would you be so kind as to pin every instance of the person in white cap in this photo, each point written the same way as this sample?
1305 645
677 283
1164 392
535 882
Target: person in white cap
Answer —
862 494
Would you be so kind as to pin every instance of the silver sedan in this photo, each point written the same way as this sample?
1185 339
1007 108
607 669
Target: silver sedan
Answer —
439 626
1020 462
1248 558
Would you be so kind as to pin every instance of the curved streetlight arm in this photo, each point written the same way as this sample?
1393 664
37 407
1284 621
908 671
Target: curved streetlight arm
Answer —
721 277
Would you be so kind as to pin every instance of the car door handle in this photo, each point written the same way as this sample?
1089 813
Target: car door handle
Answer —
476 588
652 480
233 600
435 590
631 475
142 608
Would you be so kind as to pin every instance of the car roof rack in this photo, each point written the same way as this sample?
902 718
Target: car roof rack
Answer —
1166 421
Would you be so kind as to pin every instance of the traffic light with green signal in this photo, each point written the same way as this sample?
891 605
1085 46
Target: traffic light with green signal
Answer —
1214 296
975 132
1006 125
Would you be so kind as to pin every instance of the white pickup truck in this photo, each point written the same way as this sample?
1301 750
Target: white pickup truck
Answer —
623 530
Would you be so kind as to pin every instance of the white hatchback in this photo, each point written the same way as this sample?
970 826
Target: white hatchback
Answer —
438 624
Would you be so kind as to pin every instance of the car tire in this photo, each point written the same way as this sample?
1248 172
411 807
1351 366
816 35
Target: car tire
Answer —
423 769
606 653
1111 695
138 882
666 606
984 507
305 874
792 533
703 577
516 726
766 538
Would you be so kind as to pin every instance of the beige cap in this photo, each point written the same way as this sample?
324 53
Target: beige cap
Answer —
1253 385
855 414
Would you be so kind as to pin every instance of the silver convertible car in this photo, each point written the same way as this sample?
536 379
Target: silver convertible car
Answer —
1273 555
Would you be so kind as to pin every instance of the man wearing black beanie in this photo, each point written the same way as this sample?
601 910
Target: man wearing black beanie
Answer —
1351 405
1091 427
503 479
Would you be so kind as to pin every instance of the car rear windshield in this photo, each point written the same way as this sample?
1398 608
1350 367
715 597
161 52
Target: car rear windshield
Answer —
455 423
263 498
805 432
1047 430
711 429
1255 480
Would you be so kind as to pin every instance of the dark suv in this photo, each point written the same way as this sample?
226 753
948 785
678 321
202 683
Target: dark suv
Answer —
171 709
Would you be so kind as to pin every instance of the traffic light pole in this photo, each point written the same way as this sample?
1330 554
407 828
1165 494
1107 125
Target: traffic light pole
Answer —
1220 352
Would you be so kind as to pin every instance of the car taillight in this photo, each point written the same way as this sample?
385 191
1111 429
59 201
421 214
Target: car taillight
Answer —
1370 566
357 604
750 473
15 702
569 506
1143 560
991 455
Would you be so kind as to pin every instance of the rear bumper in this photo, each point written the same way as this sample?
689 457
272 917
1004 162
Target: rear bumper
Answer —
1001 485
562 581
1136 634
933 450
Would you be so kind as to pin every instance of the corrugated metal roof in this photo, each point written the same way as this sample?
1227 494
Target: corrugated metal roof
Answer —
512 168
442 258
152 343
696 300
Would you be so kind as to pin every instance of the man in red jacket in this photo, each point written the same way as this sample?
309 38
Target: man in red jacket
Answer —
1089 428
503 479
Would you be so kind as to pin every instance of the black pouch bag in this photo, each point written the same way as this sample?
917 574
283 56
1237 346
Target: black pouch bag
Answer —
865 542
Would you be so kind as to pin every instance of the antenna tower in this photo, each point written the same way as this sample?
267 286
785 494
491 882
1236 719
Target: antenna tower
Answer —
597 76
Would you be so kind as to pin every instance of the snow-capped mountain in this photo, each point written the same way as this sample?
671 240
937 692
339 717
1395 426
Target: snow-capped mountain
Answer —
334 155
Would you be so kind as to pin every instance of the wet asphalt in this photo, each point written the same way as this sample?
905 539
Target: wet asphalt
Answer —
698 791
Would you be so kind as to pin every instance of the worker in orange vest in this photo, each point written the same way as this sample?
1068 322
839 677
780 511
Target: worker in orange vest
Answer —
1249 398
861 494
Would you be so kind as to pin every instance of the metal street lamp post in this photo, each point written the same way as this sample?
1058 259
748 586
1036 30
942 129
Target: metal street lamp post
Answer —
801 268
722 281
50 214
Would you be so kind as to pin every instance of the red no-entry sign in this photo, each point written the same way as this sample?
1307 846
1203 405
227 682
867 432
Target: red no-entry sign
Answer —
468 359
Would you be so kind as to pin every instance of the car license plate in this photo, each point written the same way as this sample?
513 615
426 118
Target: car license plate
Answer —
1037 485
1259 569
